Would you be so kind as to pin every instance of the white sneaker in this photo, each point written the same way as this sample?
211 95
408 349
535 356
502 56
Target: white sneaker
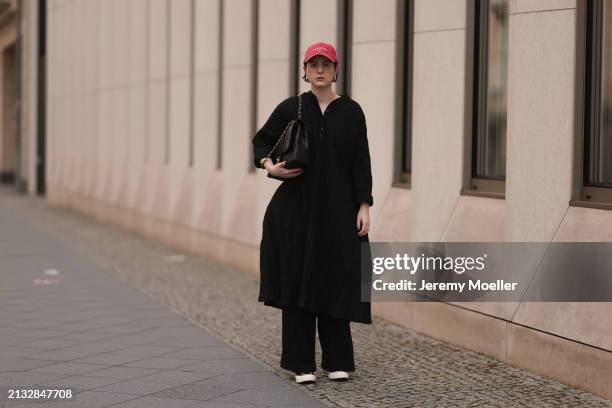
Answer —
338 375
305 378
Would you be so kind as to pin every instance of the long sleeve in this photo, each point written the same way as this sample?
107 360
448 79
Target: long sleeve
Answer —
361 166
266 137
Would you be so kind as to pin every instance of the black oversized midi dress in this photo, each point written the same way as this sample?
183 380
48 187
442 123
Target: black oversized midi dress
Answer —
310 252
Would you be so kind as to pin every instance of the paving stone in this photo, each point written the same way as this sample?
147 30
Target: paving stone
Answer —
71 368
136 387
98 347
175 332
154 402
120 329
147 350
20 364
236 365
18 351
93 399
266 397
13 340
122 372
45 333
196 392
212 404
160 362
77 327
309 405
80 399
179 377
37 324
85 336
206 353
245 380
24 378
109 358
81 382
188 342
64 354
127 339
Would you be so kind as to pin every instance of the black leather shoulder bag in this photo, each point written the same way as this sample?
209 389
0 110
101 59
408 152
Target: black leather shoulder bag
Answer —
292 145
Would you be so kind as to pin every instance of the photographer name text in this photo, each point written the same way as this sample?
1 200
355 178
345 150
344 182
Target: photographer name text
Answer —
411 286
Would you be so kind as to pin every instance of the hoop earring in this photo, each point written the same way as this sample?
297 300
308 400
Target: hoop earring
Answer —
305 78
335 78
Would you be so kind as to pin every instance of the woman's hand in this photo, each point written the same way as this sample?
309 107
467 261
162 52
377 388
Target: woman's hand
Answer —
363 219
279 169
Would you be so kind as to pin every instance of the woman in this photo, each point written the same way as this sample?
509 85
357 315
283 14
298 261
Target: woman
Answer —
315 223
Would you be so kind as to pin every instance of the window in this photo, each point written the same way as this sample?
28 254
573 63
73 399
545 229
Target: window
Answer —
403 95
345 41
487 119
593 177
295 64
254 75
192 84
168 80
220 58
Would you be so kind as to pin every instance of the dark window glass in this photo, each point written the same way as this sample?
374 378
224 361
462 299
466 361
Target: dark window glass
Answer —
192 49
598 120
254 72
345 44
405 35
491 70
295 65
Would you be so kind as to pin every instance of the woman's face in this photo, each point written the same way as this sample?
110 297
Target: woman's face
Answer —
320 71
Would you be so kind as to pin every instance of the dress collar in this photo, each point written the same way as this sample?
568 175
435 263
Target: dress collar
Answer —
314 99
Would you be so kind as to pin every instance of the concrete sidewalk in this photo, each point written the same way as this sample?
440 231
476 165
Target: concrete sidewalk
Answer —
65 323
90 330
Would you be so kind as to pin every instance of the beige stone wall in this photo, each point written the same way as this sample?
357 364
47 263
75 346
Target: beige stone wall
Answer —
118 145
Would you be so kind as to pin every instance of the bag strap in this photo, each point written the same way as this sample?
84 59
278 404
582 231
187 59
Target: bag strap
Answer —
299 117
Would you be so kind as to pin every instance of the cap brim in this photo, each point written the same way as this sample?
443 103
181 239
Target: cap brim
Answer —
325 55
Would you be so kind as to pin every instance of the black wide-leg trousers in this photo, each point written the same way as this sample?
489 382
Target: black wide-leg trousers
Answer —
298 342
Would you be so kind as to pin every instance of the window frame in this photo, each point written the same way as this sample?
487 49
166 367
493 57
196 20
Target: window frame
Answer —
295 64
192 82
254 76
345 45
589 49
220 79
402 169
476 102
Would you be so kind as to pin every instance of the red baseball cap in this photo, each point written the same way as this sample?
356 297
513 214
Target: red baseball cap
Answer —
321 48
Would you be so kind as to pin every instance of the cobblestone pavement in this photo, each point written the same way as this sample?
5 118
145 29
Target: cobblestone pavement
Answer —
395 366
